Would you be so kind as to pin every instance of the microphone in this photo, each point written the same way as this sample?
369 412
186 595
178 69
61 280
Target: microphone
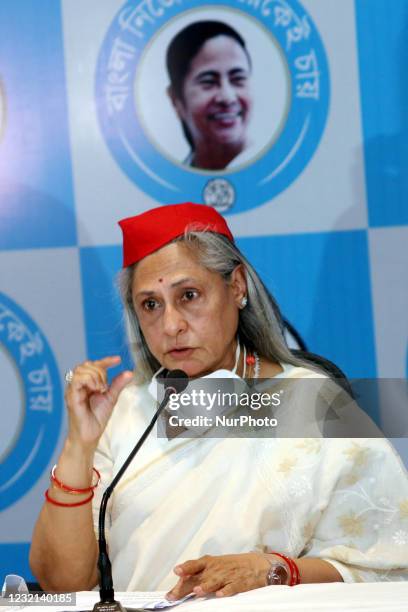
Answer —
175 381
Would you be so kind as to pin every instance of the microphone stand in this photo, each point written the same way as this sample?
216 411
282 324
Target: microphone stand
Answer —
107 601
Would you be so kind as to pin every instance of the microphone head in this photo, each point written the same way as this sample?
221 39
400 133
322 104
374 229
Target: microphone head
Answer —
176 380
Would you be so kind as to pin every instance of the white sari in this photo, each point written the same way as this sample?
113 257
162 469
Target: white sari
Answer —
343 500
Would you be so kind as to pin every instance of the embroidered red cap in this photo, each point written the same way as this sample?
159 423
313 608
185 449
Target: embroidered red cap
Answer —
146 233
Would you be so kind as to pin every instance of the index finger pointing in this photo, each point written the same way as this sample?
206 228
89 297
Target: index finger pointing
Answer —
108 362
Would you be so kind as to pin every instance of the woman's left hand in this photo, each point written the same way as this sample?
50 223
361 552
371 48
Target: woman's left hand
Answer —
223 575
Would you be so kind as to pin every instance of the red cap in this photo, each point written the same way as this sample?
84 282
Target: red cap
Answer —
146 233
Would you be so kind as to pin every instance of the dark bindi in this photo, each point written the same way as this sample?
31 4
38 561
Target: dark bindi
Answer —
160 280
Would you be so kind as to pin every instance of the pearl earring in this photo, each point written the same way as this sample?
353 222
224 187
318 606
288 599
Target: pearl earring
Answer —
244 301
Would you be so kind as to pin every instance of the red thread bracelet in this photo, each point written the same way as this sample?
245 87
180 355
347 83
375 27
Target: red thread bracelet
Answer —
64 505
297 577
295 573
72 490
294 570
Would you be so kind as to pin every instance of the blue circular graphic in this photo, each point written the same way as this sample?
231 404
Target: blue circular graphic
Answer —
39 373
134 27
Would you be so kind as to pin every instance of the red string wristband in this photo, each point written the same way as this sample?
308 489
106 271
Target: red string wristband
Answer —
297 573
72 490
64 505
294 570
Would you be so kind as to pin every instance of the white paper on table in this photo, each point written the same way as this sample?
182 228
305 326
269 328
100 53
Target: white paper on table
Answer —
85 600
154 601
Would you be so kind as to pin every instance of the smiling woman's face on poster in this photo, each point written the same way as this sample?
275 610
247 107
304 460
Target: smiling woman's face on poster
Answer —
210 88
212 93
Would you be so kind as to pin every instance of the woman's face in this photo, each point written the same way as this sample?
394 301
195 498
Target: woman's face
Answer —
188 315
216 104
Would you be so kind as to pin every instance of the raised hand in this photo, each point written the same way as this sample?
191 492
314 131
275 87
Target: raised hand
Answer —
90 400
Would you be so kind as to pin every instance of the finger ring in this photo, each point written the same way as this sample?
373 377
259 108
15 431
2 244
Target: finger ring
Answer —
69 375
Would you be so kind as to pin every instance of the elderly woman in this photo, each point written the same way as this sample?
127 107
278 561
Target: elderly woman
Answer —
209 514
210 75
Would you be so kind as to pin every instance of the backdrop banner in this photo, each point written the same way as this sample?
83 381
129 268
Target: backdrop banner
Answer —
287 116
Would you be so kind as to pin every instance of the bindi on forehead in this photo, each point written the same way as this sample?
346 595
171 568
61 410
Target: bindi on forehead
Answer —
160 280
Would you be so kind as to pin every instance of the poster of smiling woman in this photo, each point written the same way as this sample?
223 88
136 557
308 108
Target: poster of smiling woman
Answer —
214 81
210 69
213 96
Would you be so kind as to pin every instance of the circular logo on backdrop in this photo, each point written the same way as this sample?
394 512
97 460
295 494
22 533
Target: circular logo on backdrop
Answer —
225 103
30 429
219 193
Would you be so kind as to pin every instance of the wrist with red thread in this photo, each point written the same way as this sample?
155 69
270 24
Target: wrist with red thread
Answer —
293 567
55 502
71 490
74 490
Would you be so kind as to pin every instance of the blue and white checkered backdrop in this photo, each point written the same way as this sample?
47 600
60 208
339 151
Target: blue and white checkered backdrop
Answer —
88 136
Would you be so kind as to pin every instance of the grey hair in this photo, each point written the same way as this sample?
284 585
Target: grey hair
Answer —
260 326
